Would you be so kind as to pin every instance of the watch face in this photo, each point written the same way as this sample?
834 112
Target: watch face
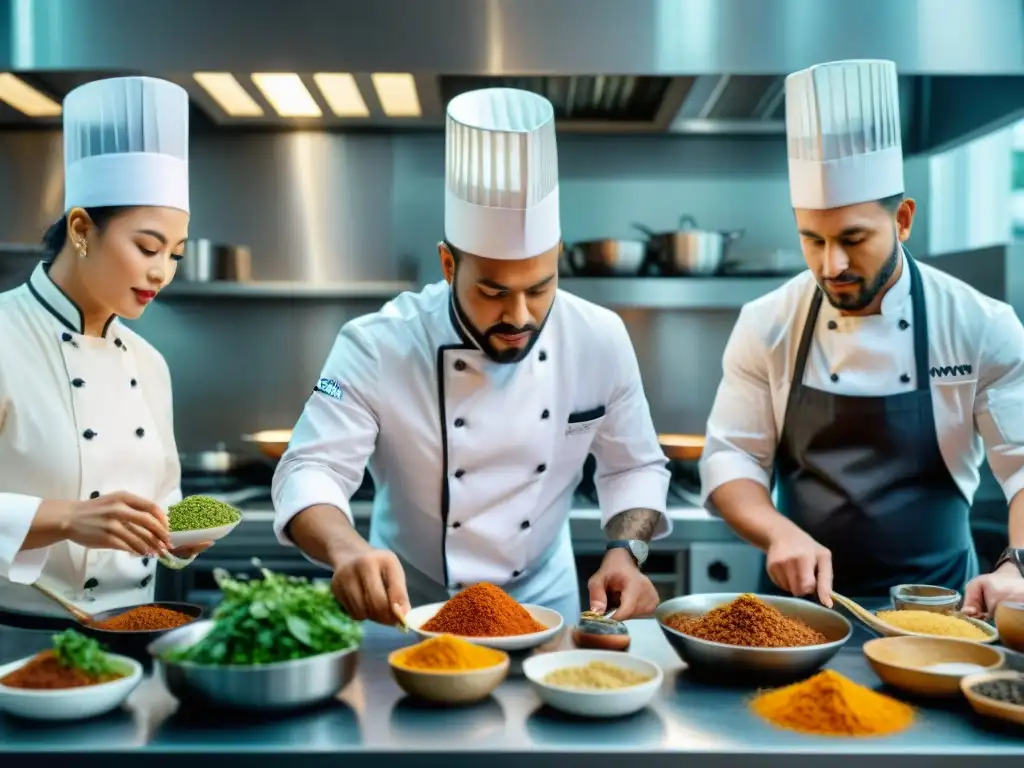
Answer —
639 550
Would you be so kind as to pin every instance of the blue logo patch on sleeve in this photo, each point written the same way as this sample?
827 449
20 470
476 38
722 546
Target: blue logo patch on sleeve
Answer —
329 387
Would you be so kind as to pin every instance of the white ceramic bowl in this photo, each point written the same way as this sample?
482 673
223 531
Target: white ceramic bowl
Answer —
69 703
417 617
616 702
201 536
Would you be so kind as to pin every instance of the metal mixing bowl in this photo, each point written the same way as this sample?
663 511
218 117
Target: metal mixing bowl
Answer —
703 656
279 686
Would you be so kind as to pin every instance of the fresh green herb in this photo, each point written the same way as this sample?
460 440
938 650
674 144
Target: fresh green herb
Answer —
276 618
198 512
84 653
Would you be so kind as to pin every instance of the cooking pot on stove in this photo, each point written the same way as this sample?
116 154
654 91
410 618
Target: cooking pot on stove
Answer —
216 461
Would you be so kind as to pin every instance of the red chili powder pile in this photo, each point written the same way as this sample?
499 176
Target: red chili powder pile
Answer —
46 672
483 610
145 617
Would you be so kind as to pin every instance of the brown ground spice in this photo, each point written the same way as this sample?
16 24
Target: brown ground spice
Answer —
483 610
45 672
747 621
145 617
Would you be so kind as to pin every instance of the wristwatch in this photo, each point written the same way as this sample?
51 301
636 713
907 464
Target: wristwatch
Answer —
637 548
1011 555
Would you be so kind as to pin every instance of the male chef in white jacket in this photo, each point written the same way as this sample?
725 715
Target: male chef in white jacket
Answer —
476 402
869 385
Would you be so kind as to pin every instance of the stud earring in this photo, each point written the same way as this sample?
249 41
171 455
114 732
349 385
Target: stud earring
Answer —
82 250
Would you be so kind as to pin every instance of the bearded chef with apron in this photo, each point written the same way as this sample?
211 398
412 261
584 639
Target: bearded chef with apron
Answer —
475 403
870 385
88 462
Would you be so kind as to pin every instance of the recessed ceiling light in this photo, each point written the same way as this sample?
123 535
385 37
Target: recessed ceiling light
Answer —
397 94
341 92
287 94
228 93
26 99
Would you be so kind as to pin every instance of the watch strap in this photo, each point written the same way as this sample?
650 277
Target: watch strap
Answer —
625 544
1011 555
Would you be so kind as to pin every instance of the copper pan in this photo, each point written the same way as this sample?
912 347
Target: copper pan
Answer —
272 443
682 447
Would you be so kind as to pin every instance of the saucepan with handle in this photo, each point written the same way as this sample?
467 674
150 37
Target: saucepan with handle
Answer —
688 250
605 258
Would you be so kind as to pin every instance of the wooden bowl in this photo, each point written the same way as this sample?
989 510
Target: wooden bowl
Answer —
903 662
1013 713
448 686
682 447
1009 618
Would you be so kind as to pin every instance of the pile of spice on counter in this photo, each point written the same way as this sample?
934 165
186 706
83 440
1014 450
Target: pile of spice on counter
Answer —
276 618
198 512
746 621
144 618
930 623
829 704
446 653
1006 691
74 661
597 675
483 610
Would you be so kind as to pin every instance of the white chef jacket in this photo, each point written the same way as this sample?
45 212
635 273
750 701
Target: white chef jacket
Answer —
975 361
474 462
79 415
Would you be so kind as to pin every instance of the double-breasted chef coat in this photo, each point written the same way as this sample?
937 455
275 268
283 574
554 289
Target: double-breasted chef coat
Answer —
80 416
475 462
874 427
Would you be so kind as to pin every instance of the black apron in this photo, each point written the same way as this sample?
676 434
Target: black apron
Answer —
864 476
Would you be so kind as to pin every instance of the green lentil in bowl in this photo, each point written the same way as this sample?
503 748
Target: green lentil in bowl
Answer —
198 512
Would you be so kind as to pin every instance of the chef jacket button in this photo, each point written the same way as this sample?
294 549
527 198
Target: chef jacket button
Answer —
91 584
515 574
77 383
545 414
140 432
832 325
834 377
525 524
460 422
145 582
460 365
145 562
542 467
118 343
456 524
542 356
904 325
134 383
457 586
905 378
459 473
88 434
65 336
94 495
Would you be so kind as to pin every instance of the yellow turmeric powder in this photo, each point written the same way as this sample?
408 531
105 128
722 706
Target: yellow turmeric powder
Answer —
829 704
929 623
448 653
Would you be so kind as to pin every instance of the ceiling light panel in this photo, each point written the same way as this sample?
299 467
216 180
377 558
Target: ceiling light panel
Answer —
26 99
229 94
287 94
397 94
341 92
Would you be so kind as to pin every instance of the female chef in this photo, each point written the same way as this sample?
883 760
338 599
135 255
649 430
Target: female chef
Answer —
87 453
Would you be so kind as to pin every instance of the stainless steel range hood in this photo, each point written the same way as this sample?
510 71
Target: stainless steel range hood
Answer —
609 66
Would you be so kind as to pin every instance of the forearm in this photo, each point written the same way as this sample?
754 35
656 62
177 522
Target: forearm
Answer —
49 526
633 524
746 506
1016 521
325 534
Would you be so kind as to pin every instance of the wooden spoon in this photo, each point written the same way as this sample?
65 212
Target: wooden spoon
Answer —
888 630
79 615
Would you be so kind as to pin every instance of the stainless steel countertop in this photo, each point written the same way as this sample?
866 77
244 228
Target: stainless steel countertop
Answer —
688 724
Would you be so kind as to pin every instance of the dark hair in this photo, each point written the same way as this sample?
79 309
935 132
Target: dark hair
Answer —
56 237
892 202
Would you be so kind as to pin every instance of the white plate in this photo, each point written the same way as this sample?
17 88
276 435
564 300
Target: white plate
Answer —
201 536
616 702
68 703
417 617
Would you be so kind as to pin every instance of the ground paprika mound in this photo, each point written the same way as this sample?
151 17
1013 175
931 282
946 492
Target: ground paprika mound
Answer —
747 621
145 618
46 672
483 610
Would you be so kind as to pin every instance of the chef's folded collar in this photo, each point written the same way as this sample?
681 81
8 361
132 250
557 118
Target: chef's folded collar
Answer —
58 303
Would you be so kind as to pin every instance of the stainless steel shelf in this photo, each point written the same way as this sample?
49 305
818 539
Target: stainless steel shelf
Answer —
267 289
672 292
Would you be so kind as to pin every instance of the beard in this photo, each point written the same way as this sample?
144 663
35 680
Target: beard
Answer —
868 289
485 339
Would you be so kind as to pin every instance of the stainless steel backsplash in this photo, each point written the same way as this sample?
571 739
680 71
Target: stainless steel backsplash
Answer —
327 207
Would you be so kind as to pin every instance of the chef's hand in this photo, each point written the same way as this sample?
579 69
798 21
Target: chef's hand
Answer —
985 592
800 565
368 583
619 574
118 520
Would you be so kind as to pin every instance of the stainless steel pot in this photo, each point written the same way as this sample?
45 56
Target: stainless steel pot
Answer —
219 460
206 261
689 250
606 258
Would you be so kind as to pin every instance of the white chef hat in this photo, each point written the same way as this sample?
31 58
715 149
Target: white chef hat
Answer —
501 174
126 143
843 134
